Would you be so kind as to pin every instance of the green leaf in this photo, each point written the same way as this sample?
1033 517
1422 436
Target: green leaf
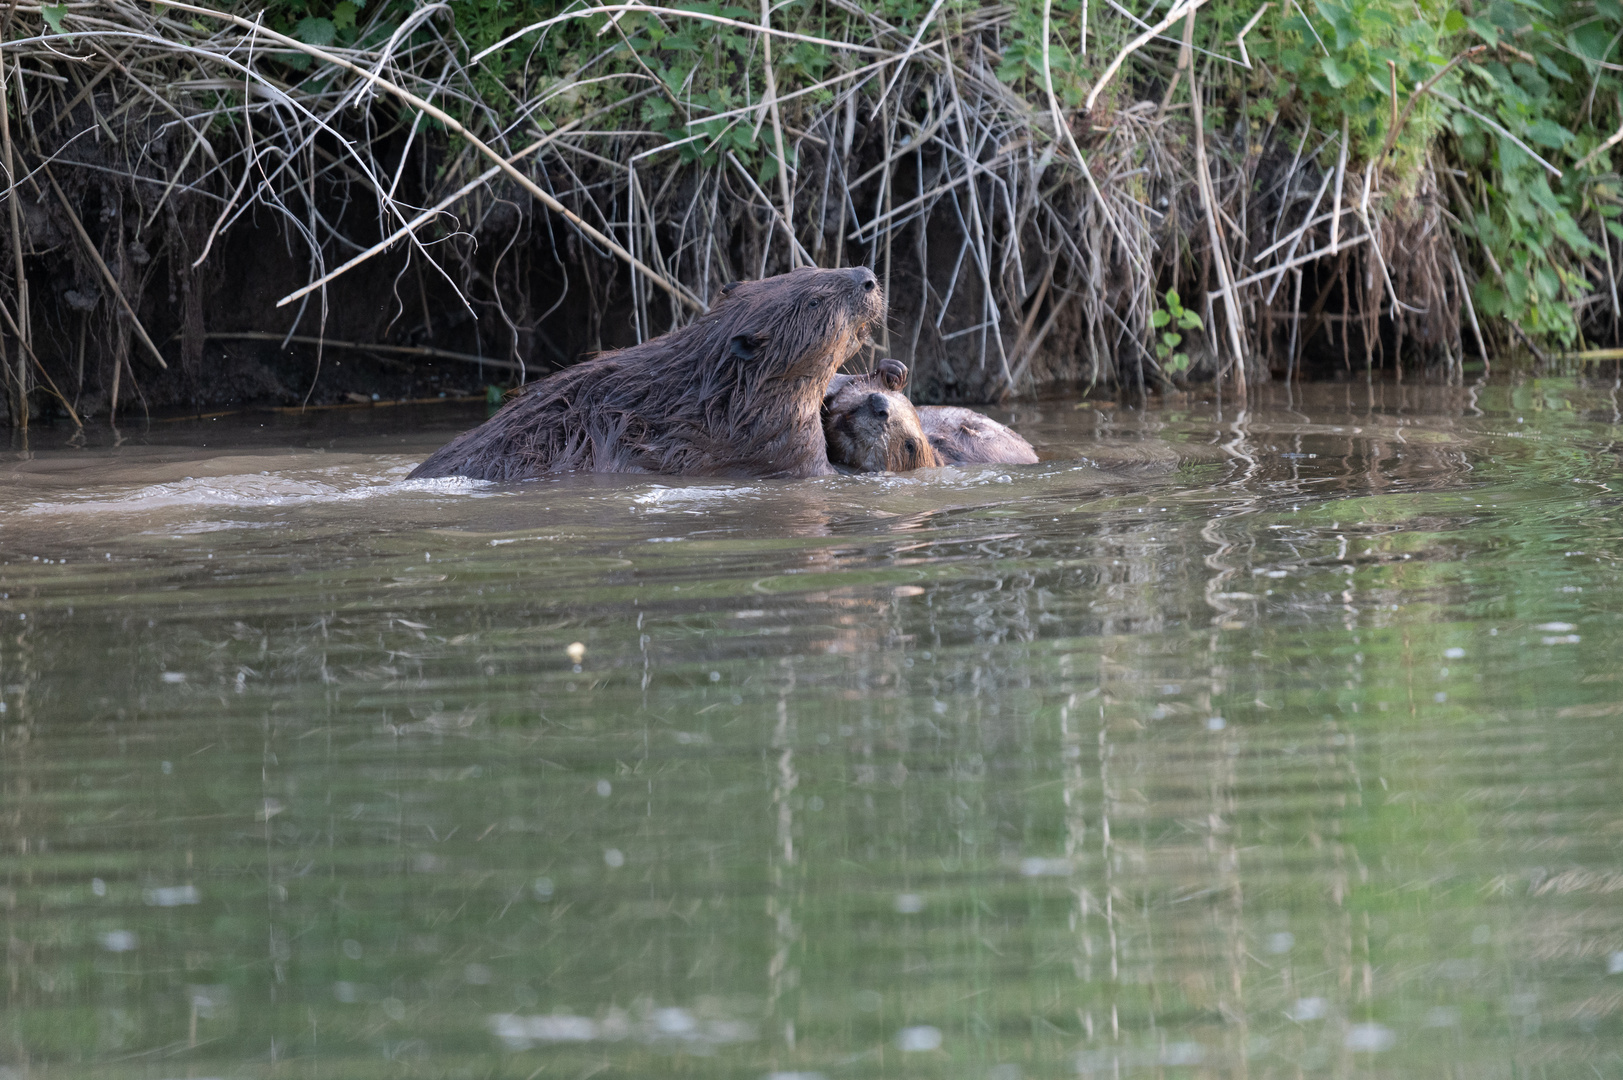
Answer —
1548 133
1190 321
1517 285
1484 30
343 15
1489 300
313 31
1174 301
1171 340
53 14
1160 319
1454 22
1339 74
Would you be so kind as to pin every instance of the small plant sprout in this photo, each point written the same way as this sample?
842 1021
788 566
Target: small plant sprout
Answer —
1173 315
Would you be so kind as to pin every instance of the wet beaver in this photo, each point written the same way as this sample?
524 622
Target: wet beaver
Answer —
735 393
872 427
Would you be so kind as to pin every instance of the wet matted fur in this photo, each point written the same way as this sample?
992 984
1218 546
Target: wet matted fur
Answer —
735 393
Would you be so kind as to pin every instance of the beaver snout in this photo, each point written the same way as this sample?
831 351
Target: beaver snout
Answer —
878 405
865 278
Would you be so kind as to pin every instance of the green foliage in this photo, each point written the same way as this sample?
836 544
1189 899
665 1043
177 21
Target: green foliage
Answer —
52 14
1544 79
1174 314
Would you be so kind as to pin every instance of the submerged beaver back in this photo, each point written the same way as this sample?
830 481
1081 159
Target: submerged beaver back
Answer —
735 393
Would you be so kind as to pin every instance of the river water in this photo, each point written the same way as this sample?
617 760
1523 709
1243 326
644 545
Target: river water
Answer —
1274 743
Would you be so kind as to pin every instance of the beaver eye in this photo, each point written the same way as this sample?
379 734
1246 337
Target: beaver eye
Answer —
813 302
912 447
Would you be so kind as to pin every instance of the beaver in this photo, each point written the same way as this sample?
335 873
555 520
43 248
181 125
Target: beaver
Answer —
736 392
872 427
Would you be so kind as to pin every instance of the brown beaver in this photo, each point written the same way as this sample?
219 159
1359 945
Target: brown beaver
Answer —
872 427
735 393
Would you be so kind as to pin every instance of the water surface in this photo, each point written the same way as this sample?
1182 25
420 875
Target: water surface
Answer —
1273 743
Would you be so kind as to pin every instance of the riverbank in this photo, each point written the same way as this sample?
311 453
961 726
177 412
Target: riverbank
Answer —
1058 199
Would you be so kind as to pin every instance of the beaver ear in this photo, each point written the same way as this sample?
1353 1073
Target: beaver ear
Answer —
727 289
745 346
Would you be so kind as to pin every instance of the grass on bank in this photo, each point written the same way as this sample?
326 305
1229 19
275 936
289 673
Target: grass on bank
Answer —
1409 181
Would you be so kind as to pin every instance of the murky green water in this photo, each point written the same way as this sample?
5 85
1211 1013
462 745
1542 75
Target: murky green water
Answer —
1274 744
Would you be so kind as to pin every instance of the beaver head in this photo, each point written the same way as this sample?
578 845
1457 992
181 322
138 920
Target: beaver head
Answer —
805 323
871 428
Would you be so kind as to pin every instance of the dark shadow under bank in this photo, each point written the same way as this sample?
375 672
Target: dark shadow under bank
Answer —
395 331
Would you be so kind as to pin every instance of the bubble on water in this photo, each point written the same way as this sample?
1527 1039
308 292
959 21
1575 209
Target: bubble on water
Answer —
1370 1038
1281 942
352 948
1036 866
604 788
1454 654
909 903
542 888
1439 697
394 1009
1216 723
119 940
208 1000
576 652
1183 1053
174 676
1555 627
98 886
920 1038
614 858
1308 1008
715 676
171 896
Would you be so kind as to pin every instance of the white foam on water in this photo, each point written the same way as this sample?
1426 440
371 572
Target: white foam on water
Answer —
918 1039
255 491
659 498
1370 1038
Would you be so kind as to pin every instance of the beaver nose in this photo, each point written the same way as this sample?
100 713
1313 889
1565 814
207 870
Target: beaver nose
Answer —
878 405
865 279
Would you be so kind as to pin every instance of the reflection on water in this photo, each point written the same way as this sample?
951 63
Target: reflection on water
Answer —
1272 744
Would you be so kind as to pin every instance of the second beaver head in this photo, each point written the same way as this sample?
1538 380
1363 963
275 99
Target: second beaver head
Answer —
871 427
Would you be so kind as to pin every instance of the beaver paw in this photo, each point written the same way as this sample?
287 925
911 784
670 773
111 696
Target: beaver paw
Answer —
893 373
